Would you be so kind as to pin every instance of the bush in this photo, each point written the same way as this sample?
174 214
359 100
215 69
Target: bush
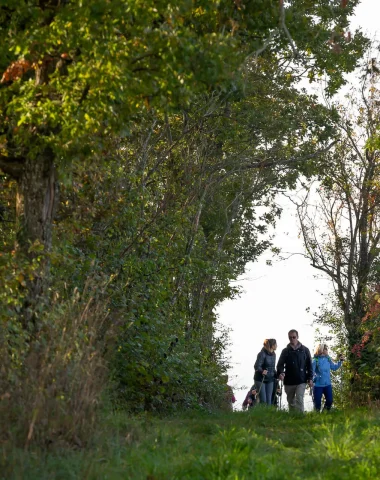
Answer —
50 388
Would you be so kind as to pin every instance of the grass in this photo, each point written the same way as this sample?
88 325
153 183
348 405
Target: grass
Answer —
260 444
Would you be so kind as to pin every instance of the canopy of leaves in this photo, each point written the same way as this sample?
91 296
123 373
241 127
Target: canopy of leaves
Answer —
76 68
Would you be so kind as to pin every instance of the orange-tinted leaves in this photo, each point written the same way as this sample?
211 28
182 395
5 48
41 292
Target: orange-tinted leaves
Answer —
16 70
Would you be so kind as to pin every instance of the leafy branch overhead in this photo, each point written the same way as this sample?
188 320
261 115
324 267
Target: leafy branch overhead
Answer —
76 68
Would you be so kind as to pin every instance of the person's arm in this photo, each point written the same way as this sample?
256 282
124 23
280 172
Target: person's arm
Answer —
335 366
259 362
281 363
275 371
314 366
309 366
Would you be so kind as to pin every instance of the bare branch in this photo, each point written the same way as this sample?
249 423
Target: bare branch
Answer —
285 29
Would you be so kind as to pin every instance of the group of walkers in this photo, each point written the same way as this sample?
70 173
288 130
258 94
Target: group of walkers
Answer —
295 370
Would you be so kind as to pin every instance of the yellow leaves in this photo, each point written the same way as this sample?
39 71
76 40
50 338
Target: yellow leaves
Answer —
21 279
198 12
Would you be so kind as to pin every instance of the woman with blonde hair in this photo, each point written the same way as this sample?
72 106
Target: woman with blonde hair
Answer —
322 365
265 371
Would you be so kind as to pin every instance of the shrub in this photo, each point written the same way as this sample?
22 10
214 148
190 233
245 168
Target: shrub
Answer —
50 388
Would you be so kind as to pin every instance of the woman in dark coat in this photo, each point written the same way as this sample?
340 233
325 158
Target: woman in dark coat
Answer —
265 371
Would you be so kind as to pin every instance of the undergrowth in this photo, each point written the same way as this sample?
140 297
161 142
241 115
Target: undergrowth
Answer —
260 444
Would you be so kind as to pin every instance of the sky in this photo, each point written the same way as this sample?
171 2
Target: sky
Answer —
285 295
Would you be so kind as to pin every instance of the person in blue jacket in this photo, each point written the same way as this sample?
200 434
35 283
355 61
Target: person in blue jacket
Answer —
322 365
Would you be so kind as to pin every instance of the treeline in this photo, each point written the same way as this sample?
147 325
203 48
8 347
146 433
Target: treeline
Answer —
136 145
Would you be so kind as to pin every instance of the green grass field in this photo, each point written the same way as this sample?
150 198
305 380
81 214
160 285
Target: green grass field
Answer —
260 444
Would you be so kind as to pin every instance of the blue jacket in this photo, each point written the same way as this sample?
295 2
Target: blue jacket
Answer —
322 366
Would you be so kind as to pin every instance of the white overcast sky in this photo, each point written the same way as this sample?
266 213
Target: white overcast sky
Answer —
275 298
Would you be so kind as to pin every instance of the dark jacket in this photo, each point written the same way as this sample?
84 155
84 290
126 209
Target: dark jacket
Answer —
296 364
250 399
265 361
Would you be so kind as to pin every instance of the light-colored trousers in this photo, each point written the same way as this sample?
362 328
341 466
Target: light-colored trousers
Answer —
294 395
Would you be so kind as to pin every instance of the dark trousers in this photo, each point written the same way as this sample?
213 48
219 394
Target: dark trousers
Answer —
327 392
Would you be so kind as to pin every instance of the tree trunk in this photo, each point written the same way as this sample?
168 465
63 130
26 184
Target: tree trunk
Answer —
36 200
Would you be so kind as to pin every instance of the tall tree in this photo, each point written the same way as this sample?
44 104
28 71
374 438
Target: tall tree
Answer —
340 218
74 72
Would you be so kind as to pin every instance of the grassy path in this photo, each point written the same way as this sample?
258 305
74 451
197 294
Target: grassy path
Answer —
262 444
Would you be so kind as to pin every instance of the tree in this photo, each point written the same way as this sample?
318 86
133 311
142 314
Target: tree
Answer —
75 72
340 217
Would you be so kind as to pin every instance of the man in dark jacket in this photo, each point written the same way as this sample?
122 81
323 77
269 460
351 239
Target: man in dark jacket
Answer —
295 368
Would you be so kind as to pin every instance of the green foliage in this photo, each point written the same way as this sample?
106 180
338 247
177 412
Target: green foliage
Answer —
90 80
167 126
171 215
366 354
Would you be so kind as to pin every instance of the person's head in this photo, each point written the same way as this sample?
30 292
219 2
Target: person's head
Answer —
293 337
270 344
321 349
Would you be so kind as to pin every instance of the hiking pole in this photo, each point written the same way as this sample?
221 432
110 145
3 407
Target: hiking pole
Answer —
276 393
258 393
312 394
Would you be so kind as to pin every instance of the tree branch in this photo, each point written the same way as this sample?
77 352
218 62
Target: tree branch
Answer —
271 163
